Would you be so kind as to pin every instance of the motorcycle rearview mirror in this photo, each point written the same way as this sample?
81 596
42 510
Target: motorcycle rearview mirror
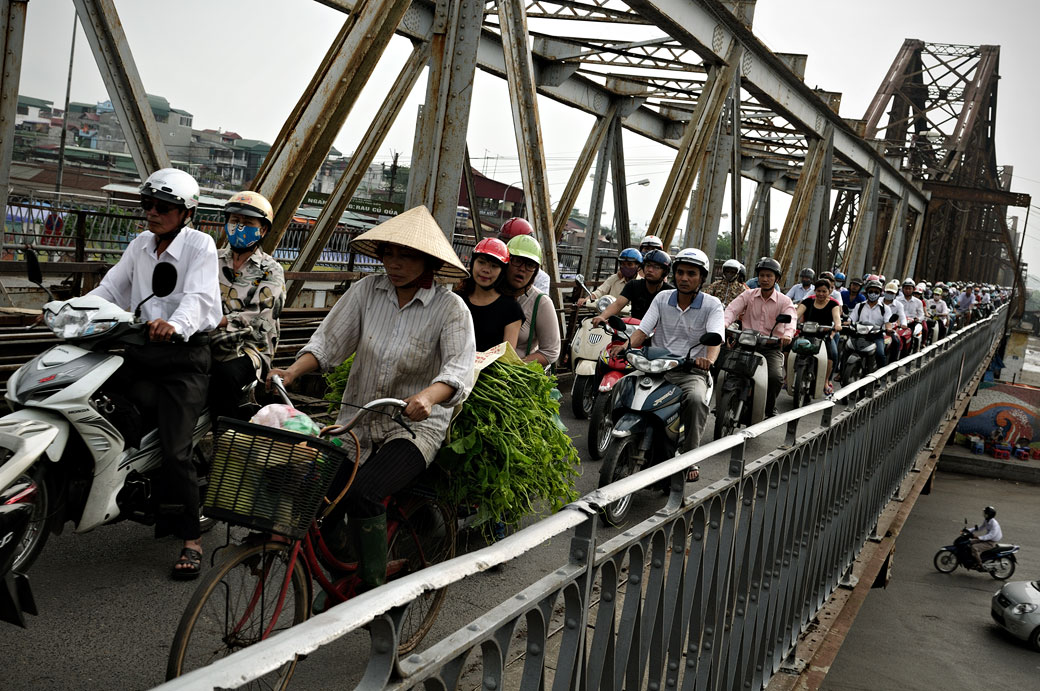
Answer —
617 323
164 281
711 338
783 319
34 271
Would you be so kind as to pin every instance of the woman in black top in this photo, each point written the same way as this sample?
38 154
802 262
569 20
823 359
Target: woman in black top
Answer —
496 317
824 310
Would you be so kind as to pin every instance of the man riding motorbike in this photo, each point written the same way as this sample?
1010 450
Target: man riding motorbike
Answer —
730 285
937 303
853 295
991 535
758 309
629 262
648 244
913 307
677 319
168 379
901 340
804 288
641 292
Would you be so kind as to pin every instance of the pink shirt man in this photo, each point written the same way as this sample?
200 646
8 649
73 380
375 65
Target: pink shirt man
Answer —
759 313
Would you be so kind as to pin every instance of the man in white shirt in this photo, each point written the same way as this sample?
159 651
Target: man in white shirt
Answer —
937 305
901 340
677 319
913 306
803 289
168 378
991 535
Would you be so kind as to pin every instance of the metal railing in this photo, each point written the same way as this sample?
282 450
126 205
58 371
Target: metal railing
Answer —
712 591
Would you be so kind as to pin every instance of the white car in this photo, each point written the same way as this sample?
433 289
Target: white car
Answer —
1016 607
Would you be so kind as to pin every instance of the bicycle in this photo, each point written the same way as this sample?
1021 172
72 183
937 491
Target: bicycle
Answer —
265 584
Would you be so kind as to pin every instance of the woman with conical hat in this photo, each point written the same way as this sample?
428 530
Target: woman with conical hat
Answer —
411 339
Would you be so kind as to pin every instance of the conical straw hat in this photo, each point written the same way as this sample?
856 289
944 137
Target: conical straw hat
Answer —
417 229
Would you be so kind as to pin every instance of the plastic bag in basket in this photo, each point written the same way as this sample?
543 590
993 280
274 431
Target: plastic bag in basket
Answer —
282 416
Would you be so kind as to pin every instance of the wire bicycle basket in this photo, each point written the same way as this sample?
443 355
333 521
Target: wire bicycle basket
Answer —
269 479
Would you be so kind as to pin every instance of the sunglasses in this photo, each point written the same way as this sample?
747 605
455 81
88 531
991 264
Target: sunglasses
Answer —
525 264
160 207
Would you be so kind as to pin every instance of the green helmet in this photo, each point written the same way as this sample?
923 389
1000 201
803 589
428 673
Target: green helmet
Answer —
527 247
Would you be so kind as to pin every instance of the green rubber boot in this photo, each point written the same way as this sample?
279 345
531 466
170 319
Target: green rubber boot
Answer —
371 537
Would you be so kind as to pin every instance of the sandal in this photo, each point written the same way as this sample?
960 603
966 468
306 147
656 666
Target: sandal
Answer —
188 565
828 389
693 474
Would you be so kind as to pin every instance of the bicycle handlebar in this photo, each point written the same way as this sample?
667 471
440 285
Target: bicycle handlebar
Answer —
338 430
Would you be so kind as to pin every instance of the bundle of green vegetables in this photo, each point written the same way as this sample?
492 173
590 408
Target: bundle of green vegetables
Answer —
507 456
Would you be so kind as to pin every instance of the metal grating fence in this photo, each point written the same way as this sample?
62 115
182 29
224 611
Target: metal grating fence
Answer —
711 592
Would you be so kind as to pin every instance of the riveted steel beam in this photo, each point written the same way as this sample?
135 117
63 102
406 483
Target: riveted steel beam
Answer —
702 223
440 151
691 150
813 248
599 190
798 240
523 97
115 61
12 35
895 241
617 169
308 132
708 28
471 196
756 226
857 260
581 170
348 183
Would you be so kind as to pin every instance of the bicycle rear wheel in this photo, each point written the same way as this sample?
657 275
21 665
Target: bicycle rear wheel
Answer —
425 536
236 605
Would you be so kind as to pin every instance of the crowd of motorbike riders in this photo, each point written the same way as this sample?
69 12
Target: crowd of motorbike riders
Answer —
216 334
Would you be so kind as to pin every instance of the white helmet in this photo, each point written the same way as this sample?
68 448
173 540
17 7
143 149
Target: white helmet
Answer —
732 264
653 241
693 256
173 186
920 288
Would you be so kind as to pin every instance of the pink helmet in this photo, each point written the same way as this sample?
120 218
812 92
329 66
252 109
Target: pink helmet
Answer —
494 248
513 227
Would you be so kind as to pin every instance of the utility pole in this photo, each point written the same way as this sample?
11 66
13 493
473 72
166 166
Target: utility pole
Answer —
393 178
65 117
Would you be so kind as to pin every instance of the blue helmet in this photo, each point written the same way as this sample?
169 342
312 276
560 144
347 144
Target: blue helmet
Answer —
631 254
658 257
839 276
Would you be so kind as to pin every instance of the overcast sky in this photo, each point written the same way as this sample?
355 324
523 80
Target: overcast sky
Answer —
241 65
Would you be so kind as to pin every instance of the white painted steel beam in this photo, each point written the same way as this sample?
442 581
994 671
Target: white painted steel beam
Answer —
115 61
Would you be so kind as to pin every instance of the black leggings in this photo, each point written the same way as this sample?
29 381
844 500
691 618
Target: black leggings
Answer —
390 469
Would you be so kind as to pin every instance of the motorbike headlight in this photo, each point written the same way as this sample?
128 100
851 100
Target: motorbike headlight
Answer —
810 327
863 328
652 366
70 323
748 338
1024 608
605 302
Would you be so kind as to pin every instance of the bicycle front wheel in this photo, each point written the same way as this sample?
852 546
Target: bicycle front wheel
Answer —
425 536
238 603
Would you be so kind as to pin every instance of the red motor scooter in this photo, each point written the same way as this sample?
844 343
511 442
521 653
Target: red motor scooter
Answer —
609 370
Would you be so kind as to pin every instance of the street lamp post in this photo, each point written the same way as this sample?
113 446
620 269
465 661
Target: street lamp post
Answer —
505 192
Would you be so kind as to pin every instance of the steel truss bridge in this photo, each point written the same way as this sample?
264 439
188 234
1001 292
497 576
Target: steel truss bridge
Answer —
715 589
911 188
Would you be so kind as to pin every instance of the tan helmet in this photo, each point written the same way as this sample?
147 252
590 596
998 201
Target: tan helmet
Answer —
251 204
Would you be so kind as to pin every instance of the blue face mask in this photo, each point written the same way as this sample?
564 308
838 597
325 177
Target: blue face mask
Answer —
242 237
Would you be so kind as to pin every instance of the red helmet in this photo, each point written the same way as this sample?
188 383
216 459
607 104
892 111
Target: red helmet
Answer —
494 248
513 227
